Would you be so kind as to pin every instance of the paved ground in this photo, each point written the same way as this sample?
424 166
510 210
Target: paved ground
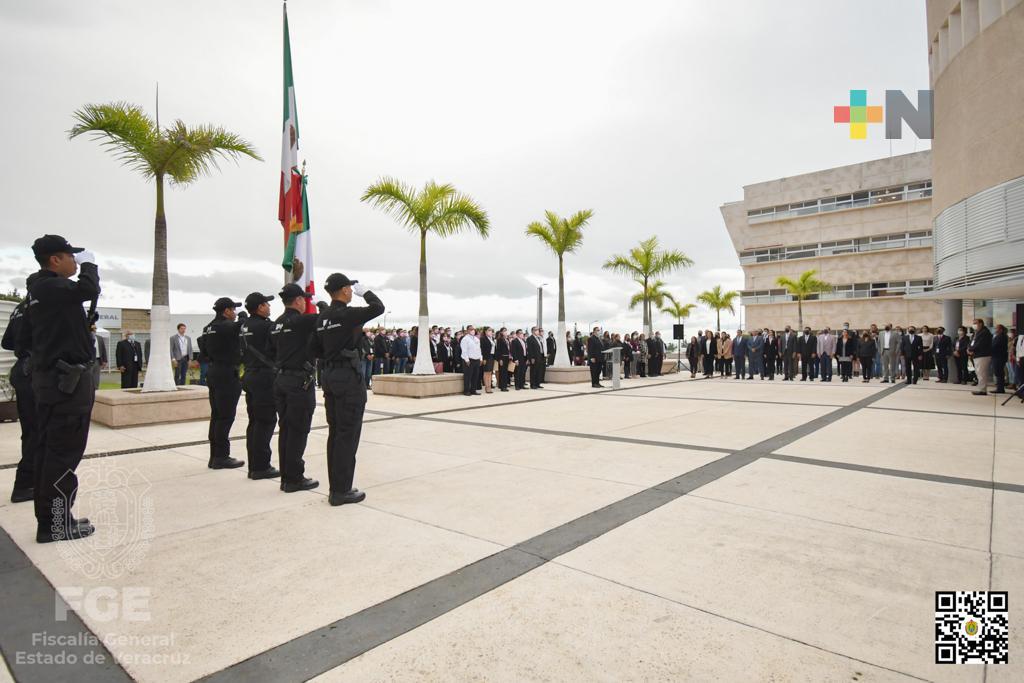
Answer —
674 530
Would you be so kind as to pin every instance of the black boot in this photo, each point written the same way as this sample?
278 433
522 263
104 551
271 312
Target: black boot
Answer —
305 484
269 473
353 496
225 463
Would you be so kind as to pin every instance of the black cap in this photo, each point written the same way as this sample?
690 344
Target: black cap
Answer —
253 301
336 281
225 302
53 244
291 291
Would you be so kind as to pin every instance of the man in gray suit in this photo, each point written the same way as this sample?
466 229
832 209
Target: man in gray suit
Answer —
181 354
888 342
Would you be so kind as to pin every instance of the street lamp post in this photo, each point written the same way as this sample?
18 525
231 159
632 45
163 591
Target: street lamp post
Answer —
386 319
540 305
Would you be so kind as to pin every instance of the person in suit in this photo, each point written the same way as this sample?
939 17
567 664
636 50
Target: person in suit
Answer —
535 357
1000 356
787 347
943 350
381 350
889 350
769 353
656 348
739 352
912 351
502 355
399 353
866 353
756 354
806 352
487 358
445 354
826 352
128 356
961 347
980 351
846 349
551 344
469 346
519 357
692 355
181 354
595 356
709 351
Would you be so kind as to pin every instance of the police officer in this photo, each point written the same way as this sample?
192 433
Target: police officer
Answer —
21 379
337 342
56 333
258 383
294 390
220 341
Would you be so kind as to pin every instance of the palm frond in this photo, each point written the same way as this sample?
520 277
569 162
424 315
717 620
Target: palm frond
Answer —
197 151
397 199
458 213
718 300
122 128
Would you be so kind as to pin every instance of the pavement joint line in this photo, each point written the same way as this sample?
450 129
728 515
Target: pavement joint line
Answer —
739 400
904 474
949 412
29 601
736 621
334 644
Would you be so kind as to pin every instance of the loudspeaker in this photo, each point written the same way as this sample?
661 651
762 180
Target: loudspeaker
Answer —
678 331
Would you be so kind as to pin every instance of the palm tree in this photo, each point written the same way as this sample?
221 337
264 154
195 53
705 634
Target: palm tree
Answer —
654 293
178 153
677 310
644 263
438 209
802 288
562 236
717 300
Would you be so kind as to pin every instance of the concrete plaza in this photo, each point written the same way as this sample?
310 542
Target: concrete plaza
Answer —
676 529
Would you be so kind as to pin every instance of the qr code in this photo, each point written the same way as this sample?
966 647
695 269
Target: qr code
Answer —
971 627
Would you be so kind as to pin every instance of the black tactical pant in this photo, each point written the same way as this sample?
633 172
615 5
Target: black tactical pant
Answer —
22 383
345 400
258 384
295 407
225 389
63 424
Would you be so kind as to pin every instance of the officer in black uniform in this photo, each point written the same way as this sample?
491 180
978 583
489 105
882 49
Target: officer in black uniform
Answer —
21 380
258 383
294 390
336 342
220 341
56 333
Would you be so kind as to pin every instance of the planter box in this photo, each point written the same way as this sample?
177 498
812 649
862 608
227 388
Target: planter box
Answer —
573 374
417 386
130 407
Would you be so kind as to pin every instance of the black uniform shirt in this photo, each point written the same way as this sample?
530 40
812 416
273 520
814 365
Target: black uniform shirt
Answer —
254 333
339 327
220 341
55 326
291 337
11 334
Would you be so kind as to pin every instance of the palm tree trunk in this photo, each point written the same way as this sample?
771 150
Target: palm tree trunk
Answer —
718 320
647 312
800 312
159 376
423 365
561 348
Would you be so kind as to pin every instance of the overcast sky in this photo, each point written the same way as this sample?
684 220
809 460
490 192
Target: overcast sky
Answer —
651 113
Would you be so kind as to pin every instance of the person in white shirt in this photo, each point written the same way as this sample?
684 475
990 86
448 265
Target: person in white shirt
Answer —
471 356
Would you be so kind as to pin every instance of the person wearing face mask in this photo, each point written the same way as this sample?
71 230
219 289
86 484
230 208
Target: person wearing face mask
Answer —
889 342
755 352
943 350
487 357
806 352
128 355
788 355
770 351
912 351
826 351
928 353
1000 356
980 351
961 346
846 349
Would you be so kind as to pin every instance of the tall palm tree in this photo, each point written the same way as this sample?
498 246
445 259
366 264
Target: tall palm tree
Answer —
438 209
654 293
802 288
717 300
644 263
178 153
562 236
677 310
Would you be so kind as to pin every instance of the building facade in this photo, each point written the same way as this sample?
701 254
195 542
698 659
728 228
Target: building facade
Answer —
865 228
976 62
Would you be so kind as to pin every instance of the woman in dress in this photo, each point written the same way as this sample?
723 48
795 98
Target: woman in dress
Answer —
928 346
502 355
770 354
866 352
487 358
726 369
846 349
693 356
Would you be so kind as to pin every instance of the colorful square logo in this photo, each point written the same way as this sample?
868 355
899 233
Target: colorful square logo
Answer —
858 114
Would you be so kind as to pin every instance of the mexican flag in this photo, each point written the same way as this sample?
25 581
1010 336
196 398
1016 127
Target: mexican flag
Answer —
293 211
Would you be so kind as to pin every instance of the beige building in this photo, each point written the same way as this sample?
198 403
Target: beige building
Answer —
976 61
866 229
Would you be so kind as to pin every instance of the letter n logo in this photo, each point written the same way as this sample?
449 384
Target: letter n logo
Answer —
899 109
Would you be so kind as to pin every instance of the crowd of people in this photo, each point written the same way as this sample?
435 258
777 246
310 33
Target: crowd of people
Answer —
506 358
979 356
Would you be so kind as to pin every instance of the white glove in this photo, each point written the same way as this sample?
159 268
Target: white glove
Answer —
359 289
85 257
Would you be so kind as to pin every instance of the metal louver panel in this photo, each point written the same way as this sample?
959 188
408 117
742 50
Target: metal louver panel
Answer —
1015 210
986 218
